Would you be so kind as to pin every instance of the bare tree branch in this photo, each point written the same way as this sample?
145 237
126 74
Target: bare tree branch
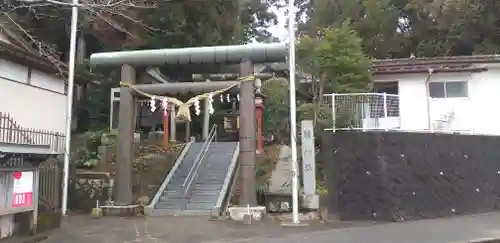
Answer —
47 51
106 11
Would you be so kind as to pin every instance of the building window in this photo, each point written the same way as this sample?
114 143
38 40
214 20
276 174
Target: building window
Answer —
449 89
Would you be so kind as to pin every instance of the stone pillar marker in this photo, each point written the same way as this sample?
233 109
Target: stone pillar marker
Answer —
311 199
124 149
247 136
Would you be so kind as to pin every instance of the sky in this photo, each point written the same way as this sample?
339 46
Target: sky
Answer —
279 30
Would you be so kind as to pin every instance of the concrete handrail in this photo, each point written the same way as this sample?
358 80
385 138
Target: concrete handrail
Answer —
233 167
167 180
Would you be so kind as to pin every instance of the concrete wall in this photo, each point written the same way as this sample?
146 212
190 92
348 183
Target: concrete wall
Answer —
398 176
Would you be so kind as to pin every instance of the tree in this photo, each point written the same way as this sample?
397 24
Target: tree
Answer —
276 110
135 24
376 22
453 27
337 63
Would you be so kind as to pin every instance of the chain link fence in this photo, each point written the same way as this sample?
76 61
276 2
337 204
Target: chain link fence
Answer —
364 111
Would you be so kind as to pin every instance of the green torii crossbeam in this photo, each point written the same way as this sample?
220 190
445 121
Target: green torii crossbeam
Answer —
258 53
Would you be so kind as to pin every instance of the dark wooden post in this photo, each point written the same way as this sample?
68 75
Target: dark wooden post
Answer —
247 136
125 137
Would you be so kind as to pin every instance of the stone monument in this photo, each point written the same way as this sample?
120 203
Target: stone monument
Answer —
279 198
310 198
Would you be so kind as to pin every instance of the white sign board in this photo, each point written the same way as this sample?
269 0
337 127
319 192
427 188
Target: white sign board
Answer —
308 157
23 189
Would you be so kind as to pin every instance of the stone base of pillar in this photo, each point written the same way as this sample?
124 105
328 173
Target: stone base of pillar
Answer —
239 213
310 201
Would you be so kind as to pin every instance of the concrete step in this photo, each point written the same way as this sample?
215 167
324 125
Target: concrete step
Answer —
170 205
172 198
163 212
204 199
200 206
211 174
173 212
178 193
207 187
212 180
205 193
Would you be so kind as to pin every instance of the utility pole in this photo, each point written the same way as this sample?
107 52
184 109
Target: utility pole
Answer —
69 100
293 112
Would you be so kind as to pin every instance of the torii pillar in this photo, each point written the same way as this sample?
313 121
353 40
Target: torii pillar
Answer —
247 136
125 147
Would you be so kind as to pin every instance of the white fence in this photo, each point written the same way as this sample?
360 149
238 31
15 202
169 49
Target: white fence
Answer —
364 111
381 111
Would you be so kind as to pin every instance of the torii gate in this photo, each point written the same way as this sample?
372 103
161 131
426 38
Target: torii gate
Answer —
245 55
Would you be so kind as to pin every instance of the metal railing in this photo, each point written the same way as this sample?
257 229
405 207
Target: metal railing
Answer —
11 132
363 111
199 159
7 122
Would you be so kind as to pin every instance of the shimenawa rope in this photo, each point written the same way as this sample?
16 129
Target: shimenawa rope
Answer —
183 115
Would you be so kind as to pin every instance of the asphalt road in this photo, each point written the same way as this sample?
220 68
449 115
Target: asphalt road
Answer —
473 228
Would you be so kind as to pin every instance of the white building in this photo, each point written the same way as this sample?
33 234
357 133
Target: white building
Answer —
454 94
32 112
32 91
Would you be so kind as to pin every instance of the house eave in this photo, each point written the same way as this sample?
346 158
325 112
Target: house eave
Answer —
426 70
20 56
450 60
35 153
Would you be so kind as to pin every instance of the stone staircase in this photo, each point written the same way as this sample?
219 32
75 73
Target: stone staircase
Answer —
172 198
208 184
199 188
